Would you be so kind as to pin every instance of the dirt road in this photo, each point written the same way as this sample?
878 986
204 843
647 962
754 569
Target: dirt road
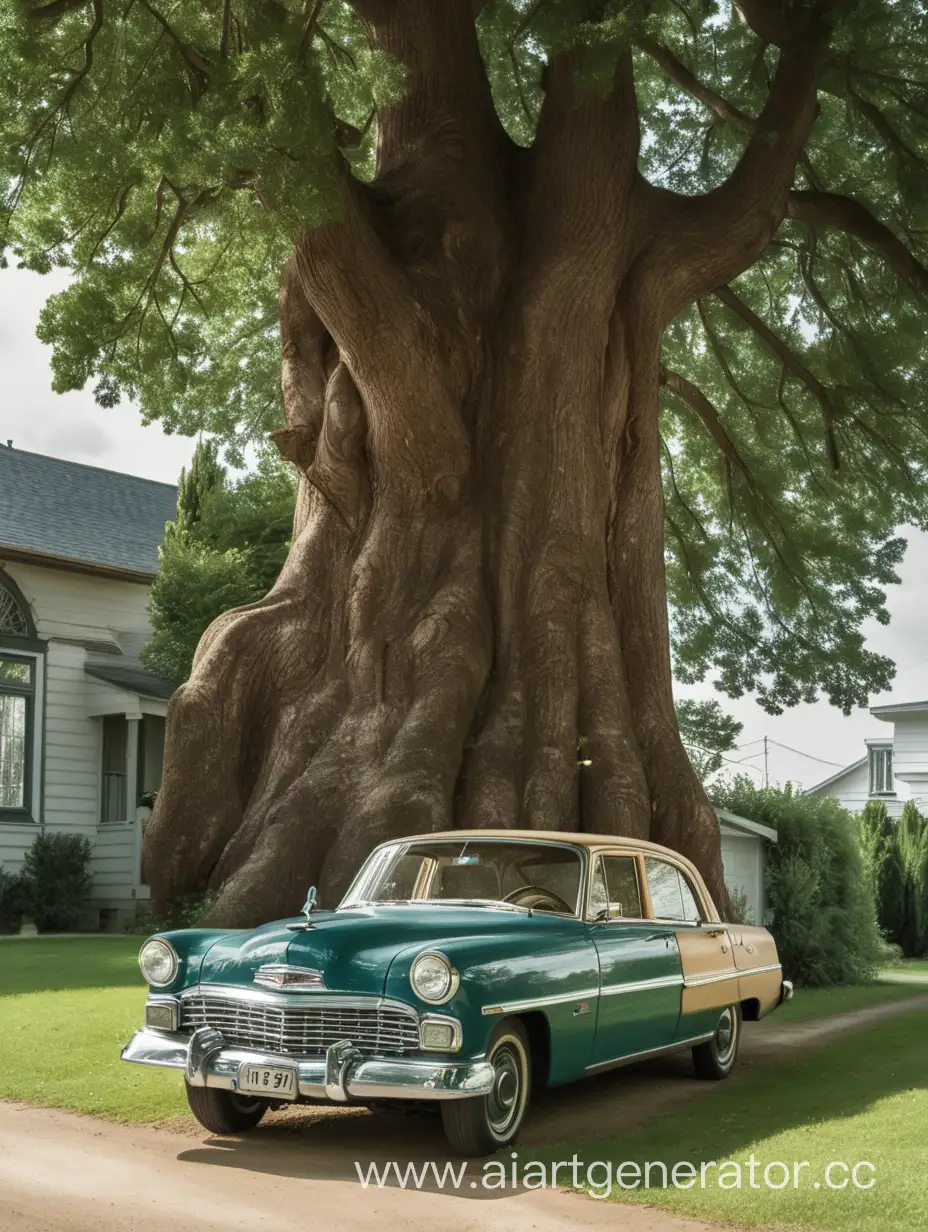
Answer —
64 1173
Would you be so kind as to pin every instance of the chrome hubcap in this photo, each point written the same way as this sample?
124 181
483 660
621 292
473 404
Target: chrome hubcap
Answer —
725 1035
504 1100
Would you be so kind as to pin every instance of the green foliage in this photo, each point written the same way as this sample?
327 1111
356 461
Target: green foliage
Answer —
897 857
912 840
739 910
884 867
167 154
55 881
188 912
12 902
708 733
206 475
824 914
226 549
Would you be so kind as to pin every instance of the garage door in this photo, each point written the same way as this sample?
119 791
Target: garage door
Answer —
741 860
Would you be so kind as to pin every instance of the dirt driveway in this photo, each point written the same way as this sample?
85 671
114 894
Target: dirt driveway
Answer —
64 1173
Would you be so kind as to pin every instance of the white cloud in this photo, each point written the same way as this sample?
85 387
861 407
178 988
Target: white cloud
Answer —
68 425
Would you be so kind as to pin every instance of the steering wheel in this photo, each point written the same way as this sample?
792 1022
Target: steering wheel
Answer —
537 897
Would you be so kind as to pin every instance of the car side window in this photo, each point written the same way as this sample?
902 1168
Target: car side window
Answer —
599 895
614 893
691 910
664 886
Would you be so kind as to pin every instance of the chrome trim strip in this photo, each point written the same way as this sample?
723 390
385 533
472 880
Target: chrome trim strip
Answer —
632 1057
534 1003
661 981
732 974
302 998
368 1079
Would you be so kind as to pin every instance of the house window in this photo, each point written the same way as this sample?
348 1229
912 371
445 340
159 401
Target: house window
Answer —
20 689
115 747
881 772
116 787
17 710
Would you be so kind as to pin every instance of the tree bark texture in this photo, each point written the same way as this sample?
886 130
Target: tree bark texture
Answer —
471 629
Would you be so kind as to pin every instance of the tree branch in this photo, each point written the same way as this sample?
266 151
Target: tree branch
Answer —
678 72
791 364
766 18
704 241
445 79
56 9
583 168
822 210
697 401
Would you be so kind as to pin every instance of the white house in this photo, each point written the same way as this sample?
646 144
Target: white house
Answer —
81 720
894 768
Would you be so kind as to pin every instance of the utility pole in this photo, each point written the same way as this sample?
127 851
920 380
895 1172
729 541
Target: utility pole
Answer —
766 768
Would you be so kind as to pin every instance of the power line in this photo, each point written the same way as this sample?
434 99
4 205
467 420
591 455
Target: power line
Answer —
715 753
800 753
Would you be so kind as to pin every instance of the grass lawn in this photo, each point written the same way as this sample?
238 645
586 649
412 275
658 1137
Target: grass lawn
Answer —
909 979
67 1005
66 1008
864 1097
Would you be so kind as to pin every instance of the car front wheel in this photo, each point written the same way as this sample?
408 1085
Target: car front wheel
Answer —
476 1127
715 1059
224 1112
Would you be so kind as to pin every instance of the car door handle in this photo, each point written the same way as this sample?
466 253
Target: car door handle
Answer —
665 937
715 932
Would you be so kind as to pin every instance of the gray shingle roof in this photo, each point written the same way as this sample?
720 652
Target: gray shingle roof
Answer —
82 513
135 679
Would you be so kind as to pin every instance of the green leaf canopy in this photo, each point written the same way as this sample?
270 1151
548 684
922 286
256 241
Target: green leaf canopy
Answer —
167 153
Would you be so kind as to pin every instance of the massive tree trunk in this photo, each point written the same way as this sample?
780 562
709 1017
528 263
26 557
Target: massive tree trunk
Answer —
471 628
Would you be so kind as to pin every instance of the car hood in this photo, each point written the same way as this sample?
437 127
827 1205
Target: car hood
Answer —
354 948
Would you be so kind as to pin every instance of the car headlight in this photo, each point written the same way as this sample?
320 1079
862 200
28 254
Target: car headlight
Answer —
433 978
158 962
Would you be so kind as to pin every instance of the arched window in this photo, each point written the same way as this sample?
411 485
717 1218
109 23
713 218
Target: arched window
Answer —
19 668
14 619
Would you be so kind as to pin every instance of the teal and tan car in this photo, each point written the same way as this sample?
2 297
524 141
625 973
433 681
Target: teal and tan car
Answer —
460 970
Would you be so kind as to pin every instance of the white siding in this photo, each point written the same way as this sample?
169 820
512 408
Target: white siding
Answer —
852 791
68 607
910 754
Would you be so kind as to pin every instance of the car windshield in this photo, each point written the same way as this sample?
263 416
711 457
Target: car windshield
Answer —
476 872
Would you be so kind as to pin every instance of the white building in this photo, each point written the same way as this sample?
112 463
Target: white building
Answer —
894 768
81 720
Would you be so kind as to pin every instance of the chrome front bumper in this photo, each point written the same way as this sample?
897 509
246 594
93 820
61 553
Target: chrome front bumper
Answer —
786 991
342 1075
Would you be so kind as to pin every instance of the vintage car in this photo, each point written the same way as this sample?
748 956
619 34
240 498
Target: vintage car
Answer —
460 970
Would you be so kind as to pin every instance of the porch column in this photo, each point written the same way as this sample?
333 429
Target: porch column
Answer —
132 792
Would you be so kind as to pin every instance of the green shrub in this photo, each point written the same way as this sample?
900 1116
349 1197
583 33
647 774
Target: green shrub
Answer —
912 843
819 887
12 902
186 913
897 858
739 909
56 881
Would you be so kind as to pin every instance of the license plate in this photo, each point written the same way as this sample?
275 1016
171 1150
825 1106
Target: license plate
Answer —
269 1080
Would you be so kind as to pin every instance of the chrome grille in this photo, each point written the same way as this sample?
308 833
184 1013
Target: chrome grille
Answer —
304 1030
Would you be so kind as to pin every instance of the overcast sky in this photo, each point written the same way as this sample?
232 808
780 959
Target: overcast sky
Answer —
73 426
